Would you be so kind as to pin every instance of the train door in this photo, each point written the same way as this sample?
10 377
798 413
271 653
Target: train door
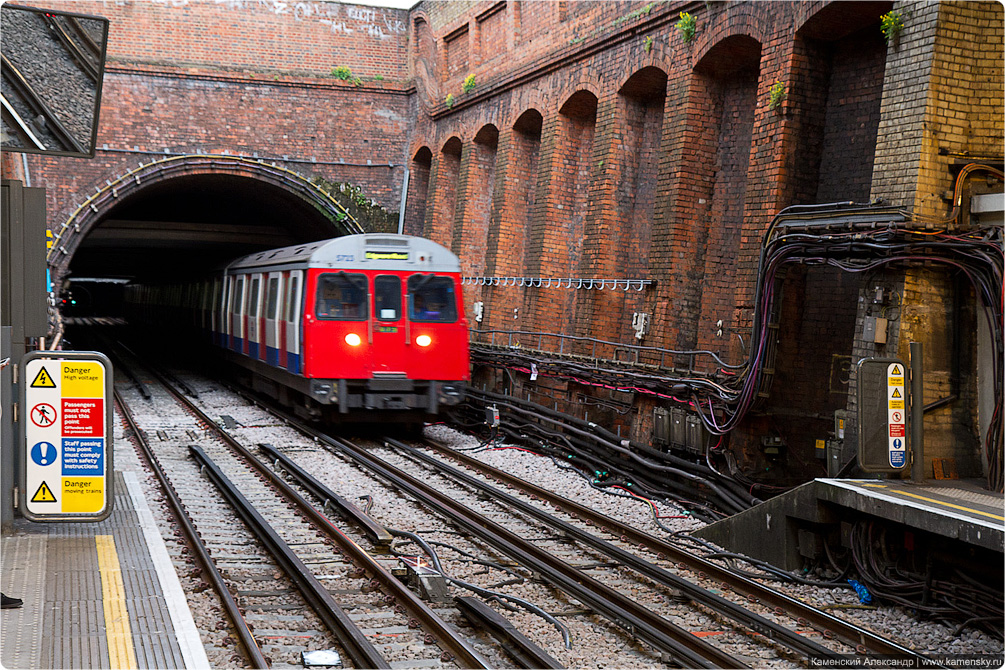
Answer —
251 312
290 342
389 327
236 307
272 317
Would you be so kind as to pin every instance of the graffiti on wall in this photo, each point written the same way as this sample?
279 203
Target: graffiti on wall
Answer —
339 18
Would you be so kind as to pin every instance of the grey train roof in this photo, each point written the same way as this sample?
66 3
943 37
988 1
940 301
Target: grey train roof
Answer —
370 251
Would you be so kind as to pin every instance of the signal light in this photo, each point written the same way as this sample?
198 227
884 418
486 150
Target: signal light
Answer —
353 340
423 340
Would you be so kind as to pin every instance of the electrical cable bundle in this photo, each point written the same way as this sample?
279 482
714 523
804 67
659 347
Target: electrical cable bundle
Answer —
965 601
850 237
612 461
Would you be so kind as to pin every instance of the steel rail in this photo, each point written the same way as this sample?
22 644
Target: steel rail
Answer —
829 625
73 49
357 646
741 615
31 98
524 652
19 126
677 643
373 530
209 570
447 637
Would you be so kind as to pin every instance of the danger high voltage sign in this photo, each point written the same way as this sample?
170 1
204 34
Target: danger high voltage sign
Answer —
67 436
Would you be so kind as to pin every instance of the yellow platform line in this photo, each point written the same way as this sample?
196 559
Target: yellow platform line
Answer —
947 504
121 654
937 502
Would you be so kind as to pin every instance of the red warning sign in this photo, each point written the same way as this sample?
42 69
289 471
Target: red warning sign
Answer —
83 417
43 415
896 430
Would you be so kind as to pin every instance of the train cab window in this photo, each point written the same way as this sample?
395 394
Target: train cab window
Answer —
431 299
387 297
342 296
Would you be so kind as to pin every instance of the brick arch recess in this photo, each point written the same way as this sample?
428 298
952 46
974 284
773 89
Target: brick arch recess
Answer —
442 199
513 199
555 239
418 190
98 205
628 169
474 206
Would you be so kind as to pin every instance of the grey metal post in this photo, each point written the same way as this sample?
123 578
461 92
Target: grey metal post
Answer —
404 200
917 413
7 465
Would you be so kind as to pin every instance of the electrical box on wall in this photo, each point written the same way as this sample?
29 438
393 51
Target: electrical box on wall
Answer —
875 330
678 429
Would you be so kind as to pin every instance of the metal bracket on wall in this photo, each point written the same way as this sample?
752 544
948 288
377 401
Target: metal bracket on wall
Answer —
560 282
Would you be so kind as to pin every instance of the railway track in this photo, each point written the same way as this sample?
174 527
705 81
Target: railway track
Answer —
305 563
599 575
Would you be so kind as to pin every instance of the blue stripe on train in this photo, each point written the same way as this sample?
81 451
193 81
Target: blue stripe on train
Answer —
293 362
272 355
253 349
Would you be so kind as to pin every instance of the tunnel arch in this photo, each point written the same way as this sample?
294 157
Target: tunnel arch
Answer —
253 177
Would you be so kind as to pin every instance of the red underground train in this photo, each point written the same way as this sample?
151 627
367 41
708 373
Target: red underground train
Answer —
358 328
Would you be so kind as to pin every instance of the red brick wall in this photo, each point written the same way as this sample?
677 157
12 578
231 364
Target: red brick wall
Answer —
675 186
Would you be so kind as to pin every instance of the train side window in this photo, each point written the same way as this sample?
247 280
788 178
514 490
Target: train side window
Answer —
431 299
253 299
387 297
237 297
272 299
342 296
291 299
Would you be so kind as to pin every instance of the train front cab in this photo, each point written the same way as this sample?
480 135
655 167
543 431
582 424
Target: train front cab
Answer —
386 342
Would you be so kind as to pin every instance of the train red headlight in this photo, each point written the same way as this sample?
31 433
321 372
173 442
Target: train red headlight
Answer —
423 340
353 340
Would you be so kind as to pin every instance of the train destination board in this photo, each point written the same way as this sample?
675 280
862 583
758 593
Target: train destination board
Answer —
67 436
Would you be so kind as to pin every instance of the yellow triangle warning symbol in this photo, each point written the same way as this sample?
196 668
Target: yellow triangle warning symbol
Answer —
896 392
43 380
43 494
897 370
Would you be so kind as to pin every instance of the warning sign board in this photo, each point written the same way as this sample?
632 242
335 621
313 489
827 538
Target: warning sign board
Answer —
43 380
882 415
67 437
43 494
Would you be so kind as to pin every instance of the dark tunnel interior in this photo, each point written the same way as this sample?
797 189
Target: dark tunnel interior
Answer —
181 228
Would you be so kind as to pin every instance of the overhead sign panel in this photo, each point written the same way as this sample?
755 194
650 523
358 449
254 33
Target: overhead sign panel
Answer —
66 472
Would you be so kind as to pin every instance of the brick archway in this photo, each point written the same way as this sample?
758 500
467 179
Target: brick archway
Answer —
81 222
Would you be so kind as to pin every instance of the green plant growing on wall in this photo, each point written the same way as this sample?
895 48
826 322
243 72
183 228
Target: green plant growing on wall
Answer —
378 77
449 100
776 96
648 44
341 72
891 24
469 83
686 25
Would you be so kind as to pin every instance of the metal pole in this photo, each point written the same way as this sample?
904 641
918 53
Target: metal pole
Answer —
404 200
917 414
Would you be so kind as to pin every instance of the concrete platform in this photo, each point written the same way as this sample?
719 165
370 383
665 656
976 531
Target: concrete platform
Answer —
781 531
96 595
